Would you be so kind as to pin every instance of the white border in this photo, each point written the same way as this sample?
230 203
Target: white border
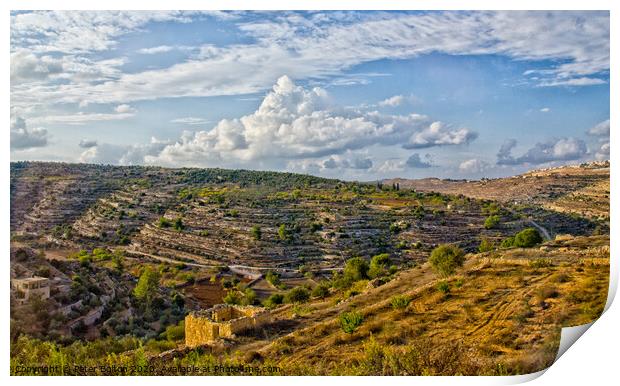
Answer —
593 360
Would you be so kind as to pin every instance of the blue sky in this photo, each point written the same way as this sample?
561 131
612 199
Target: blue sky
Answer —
353 95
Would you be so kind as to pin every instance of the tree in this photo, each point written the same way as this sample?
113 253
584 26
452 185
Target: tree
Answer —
273 278
491 222
256 232
446 258
146 289
232 297
297 295
321 291
274 300
356 269
527 238
379 265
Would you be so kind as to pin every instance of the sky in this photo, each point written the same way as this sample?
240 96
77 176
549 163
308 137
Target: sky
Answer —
351 95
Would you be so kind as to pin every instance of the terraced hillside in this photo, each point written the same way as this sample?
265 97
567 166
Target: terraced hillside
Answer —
582 189
343 267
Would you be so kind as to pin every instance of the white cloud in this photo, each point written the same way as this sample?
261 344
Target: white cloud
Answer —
125 109
545 110
121 155
155 50
562 149
437 134
473 166
80 31
24 138
315 47
81 118
293 122
603 152
394 101
190 121
601 129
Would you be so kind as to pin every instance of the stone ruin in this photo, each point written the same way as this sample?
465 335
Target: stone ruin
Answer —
222 321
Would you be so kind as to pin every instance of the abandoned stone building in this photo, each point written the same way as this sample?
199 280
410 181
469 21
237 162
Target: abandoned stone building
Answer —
26 288
222 321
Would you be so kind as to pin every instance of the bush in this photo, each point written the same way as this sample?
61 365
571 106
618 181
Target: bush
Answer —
232 297
486 245
491 222
508 242
446 258
284 233
256 232
350 321
249 297
273 301
378 265
444 287
178 224
273 278
527 238
164 223
297 295
400 302
356 269
321 291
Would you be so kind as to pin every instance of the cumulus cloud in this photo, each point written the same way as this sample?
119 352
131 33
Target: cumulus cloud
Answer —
333 162
120 155
415 161
473 166
87 143
437 134
545 110
25 138
600 130
294 122
25 66
603 152
562 149
394 101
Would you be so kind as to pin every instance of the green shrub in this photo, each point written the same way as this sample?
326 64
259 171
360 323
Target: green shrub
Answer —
273 278
164 223
508 242
256 232
178 224
232 297
297 295
321 291
527 238
273 301
378 265
356 269
491 222
486 245
446 258
350 321
444 287
400 302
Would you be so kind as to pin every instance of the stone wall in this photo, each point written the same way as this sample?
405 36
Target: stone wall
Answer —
222 321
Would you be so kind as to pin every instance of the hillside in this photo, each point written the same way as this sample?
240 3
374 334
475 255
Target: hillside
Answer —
129 251
582 189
